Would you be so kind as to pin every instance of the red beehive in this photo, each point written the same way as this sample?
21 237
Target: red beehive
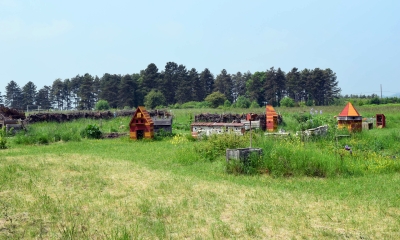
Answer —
141 124
380 121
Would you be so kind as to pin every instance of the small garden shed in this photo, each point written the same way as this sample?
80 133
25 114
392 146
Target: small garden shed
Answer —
350 118
272 118
141 124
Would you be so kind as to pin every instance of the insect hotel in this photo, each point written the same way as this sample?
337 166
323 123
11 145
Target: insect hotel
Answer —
199 129
141 125
272 118
350 118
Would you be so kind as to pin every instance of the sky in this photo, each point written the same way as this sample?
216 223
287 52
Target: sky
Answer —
42 40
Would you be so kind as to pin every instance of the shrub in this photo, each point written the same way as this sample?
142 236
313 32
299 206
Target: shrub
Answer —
254 104
287 102
242 102
91 131
154 99
102 105
215 99
215 146
227 104
3 139
253 165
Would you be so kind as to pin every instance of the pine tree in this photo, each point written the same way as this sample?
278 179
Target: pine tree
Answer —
169 82
184 88
223 84
127 89
74 87
28 94
109 89
43 98
255 88
66 92
239 85
294 85
57 92
150 78
270 87
197 86
13 97
280 85
86 93
207 79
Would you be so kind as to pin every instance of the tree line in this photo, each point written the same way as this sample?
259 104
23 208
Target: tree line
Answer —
176 84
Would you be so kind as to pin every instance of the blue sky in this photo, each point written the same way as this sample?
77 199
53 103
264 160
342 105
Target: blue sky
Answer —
43 40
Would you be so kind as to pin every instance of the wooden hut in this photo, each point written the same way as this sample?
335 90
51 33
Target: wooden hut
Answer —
141 124
272 118
349 118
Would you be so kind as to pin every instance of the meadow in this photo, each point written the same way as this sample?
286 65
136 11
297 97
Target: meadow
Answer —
57 184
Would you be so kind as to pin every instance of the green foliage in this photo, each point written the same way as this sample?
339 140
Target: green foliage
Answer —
215 146
255 164
215 99
3 138
102 105
91 131
153 99
254 104
287 102
227 104
242 102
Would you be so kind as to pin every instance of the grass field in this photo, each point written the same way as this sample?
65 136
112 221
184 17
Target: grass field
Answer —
77 188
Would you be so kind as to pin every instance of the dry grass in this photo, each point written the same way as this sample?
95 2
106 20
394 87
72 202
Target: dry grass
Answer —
78 196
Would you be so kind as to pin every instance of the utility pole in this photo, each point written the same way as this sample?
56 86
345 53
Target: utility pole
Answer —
381 90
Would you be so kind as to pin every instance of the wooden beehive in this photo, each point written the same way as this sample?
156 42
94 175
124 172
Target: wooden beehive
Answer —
141 124
272 118
350 118
380 121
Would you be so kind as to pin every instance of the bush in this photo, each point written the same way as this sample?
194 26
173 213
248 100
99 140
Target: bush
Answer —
215 146
242 102
253 165
287 102
215 99
154 99
227 104
102 105
254 104
3 139
91 131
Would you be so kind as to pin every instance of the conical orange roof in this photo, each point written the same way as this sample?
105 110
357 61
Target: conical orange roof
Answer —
349 111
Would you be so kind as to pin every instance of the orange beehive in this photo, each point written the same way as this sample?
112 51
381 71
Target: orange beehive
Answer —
141 124
349 118
272 118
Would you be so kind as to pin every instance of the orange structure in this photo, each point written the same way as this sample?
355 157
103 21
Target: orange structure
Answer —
141 124
272 118
349 118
